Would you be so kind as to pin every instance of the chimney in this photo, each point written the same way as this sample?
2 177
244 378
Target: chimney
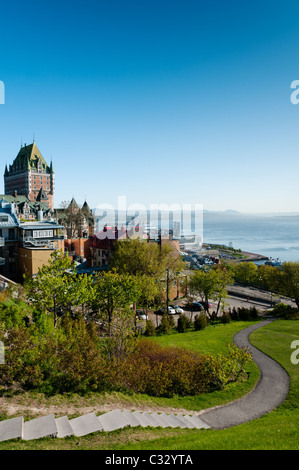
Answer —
40 216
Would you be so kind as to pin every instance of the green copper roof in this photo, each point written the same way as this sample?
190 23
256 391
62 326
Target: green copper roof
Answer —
29 158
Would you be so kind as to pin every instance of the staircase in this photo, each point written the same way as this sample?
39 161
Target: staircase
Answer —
49 426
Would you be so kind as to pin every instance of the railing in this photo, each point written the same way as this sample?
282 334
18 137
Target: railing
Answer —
38 243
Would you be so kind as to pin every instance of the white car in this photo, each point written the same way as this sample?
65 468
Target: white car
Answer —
171 311
178 309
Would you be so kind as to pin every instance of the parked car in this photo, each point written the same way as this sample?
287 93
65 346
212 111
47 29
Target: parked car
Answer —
197 306
178 309
171 311
141 315
206 305
161 311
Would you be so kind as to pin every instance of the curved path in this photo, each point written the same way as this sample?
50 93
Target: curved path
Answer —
269 392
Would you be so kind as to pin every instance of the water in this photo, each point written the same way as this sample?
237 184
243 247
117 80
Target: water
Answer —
274 236
269 235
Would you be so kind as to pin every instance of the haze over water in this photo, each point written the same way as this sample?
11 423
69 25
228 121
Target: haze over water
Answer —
275 236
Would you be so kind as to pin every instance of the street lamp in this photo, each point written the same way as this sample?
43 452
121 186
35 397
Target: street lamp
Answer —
167 295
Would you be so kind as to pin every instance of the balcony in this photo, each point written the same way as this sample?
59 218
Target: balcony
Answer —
30 241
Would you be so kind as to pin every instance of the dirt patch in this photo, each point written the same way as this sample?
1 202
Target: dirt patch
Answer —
34 407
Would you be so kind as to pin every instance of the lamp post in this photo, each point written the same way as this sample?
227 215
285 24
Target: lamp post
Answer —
167 293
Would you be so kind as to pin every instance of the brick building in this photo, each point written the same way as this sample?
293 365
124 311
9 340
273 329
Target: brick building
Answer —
29 175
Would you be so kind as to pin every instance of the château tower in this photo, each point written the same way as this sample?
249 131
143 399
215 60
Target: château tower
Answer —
30 175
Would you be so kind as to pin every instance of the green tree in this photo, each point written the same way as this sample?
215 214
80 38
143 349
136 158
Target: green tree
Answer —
183 323
149 328
57 288
211 284
139 257
289 280
114 292
246 272
200 321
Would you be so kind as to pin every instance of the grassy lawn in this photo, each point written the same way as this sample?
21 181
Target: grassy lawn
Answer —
214 339
278 430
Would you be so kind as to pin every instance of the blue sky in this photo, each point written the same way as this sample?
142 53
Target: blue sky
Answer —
163 102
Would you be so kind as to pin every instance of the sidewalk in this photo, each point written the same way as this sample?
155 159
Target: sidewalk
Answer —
270 391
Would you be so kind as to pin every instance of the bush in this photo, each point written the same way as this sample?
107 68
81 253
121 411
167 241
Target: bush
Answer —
200 321
183 323
166 371
243 313
167 324
225 317
149 328
286 311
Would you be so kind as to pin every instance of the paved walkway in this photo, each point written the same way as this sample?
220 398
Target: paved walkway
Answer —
270 391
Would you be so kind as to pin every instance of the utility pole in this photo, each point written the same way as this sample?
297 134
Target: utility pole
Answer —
167 293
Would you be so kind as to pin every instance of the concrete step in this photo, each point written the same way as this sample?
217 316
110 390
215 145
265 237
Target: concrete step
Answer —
16 428
197 422
132 420
162 419
144 421
182 422
11 429
85 424
113 420
64 427
40 427
153 419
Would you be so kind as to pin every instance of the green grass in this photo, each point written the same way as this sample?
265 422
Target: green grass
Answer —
214 339
278 430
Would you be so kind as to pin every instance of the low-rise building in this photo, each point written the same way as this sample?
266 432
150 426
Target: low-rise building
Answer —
9 224
37 241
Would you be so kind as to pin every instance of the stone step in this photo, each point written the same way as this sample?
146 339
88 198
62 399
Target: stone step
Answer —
173 421
182 422
162 419
40 427
144 421
132 420
11 429
64 427
45 426
113 420
153 419
197 422
85 424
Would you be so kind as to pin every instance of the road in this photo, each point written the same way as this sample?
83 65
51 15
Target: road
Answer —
239 296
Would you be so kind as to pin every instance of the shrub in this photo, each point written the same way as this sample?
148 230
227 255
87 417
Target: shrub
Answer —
149 328
166 371
286 311
225 317
200 321
183 323
233 313
167 324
